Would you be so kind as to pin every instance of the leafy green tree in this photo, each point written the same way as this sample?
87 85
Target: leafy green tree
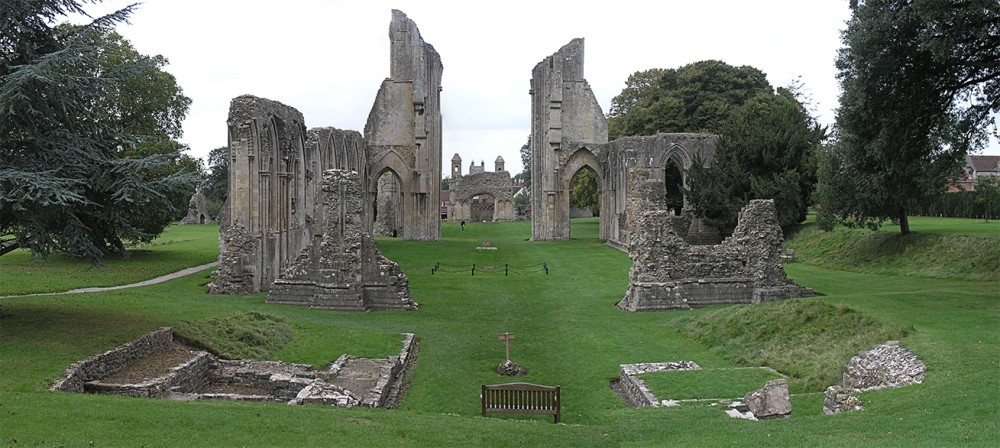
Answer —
697 97
525 174
584 192
919 80
446 183
987 194
215 187
768 138
84 165
766 151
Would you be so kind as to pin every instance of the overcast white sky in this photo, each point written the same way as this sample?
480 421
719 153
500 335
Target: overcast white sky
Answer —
327 58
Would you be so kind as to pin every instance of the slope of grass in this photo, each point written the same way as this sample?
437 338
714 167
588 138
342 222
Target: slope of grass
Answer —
179 247
251 335
568 333
942 252
807 340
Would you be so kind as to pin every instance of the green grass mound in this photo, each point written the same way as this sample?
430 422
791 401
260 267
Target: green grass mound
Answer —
706 384
808 340
931 254
249 335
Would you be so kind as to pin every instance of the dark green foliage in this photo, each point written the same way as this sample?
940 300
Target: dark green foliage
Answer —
963 204
584 192
920 79
250 335
766 151
767 138
525 174
808 340
87 160
697 97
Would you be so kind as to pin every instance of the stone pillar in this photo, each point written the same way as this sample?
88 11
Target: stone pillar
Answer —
564 113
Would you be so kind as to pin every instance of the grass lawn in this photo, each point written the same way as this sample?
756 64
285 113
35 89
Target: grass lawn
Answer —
568 333
177 248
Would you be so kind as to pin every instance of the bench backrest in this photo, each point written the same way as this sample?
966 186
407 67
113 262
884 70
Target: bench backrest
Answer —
521 398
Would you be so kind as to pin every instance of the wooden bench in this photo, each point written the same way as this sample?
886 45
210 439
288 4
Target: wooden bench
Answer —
788 255
521 398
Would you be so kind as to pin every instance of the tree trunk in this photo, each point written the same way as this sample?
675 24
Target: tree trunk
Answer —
904 223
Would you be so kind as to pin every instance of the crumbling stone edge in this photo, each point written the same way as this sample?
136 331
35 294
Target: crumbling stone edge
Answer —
188 377
635 390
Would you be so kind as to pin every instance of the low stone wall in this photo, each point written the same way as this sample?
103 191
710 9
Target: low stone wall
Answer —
635 389
115 360
187 377
277 381
392 372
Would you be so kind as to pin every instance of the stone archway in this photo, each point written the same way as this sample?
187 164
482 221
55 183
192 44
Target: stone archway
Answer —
482 196
569 131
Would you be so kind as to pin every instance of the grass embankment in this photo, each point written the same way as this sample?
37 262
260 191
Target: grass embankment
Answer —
805 339
568 332
177 248
251 335
969 249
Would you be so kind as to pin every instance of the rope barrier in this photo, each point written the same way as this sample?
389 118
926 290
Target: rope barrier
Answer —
506 268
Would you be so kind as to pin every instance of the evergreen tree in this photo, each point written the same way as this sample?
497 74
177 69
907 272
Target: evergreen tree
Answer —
81 169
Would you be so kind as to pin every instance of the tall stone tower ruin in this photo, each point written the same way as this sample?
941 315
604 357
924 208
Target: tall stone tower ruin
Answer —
404 128
565 114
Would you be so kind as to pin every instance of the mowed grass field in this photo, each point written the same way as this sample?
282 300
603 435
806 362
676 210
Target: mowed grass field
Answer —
568 333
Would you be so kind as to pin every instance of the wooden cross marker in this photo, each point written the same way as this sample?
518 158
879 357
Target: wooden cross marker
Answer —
506 337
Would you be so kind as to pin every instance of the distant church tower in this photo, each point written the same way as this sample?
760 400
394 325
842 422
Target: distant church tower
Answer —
456 167
499 164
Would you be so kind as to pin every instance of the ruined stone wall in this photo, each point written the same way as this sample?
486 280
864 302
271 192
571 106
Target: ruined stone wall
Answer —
667 273
197 213
496 184
342 269
275 175
564 114
267 204
114 360
569 133
404 128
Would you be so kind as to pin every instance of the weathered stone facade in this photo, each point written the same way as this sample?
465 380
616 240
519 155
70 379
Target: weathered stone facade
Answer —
276 168
669 274
403 131
569 133
342 269
480 183
197 214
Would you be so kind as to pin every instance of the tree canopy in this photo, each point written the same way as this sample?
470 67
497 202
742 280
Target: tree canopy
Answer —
88 159
768 137
919 80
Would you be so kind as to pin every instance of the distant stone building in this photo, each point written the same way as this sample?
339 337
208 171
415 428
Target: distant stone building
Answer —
480 195
197 213
976 167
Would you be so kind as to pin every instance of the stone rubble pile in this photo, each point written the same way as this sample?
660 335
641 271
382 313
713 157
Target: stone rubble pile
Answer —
887 365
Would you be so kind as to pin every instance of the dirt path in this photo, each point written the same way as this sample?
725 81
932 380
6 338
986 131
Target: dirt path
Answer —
151 281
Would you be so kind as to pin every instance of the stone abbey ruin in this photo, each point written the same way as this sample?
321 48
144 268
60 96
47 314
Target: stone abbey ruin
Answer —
304 203
481 195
